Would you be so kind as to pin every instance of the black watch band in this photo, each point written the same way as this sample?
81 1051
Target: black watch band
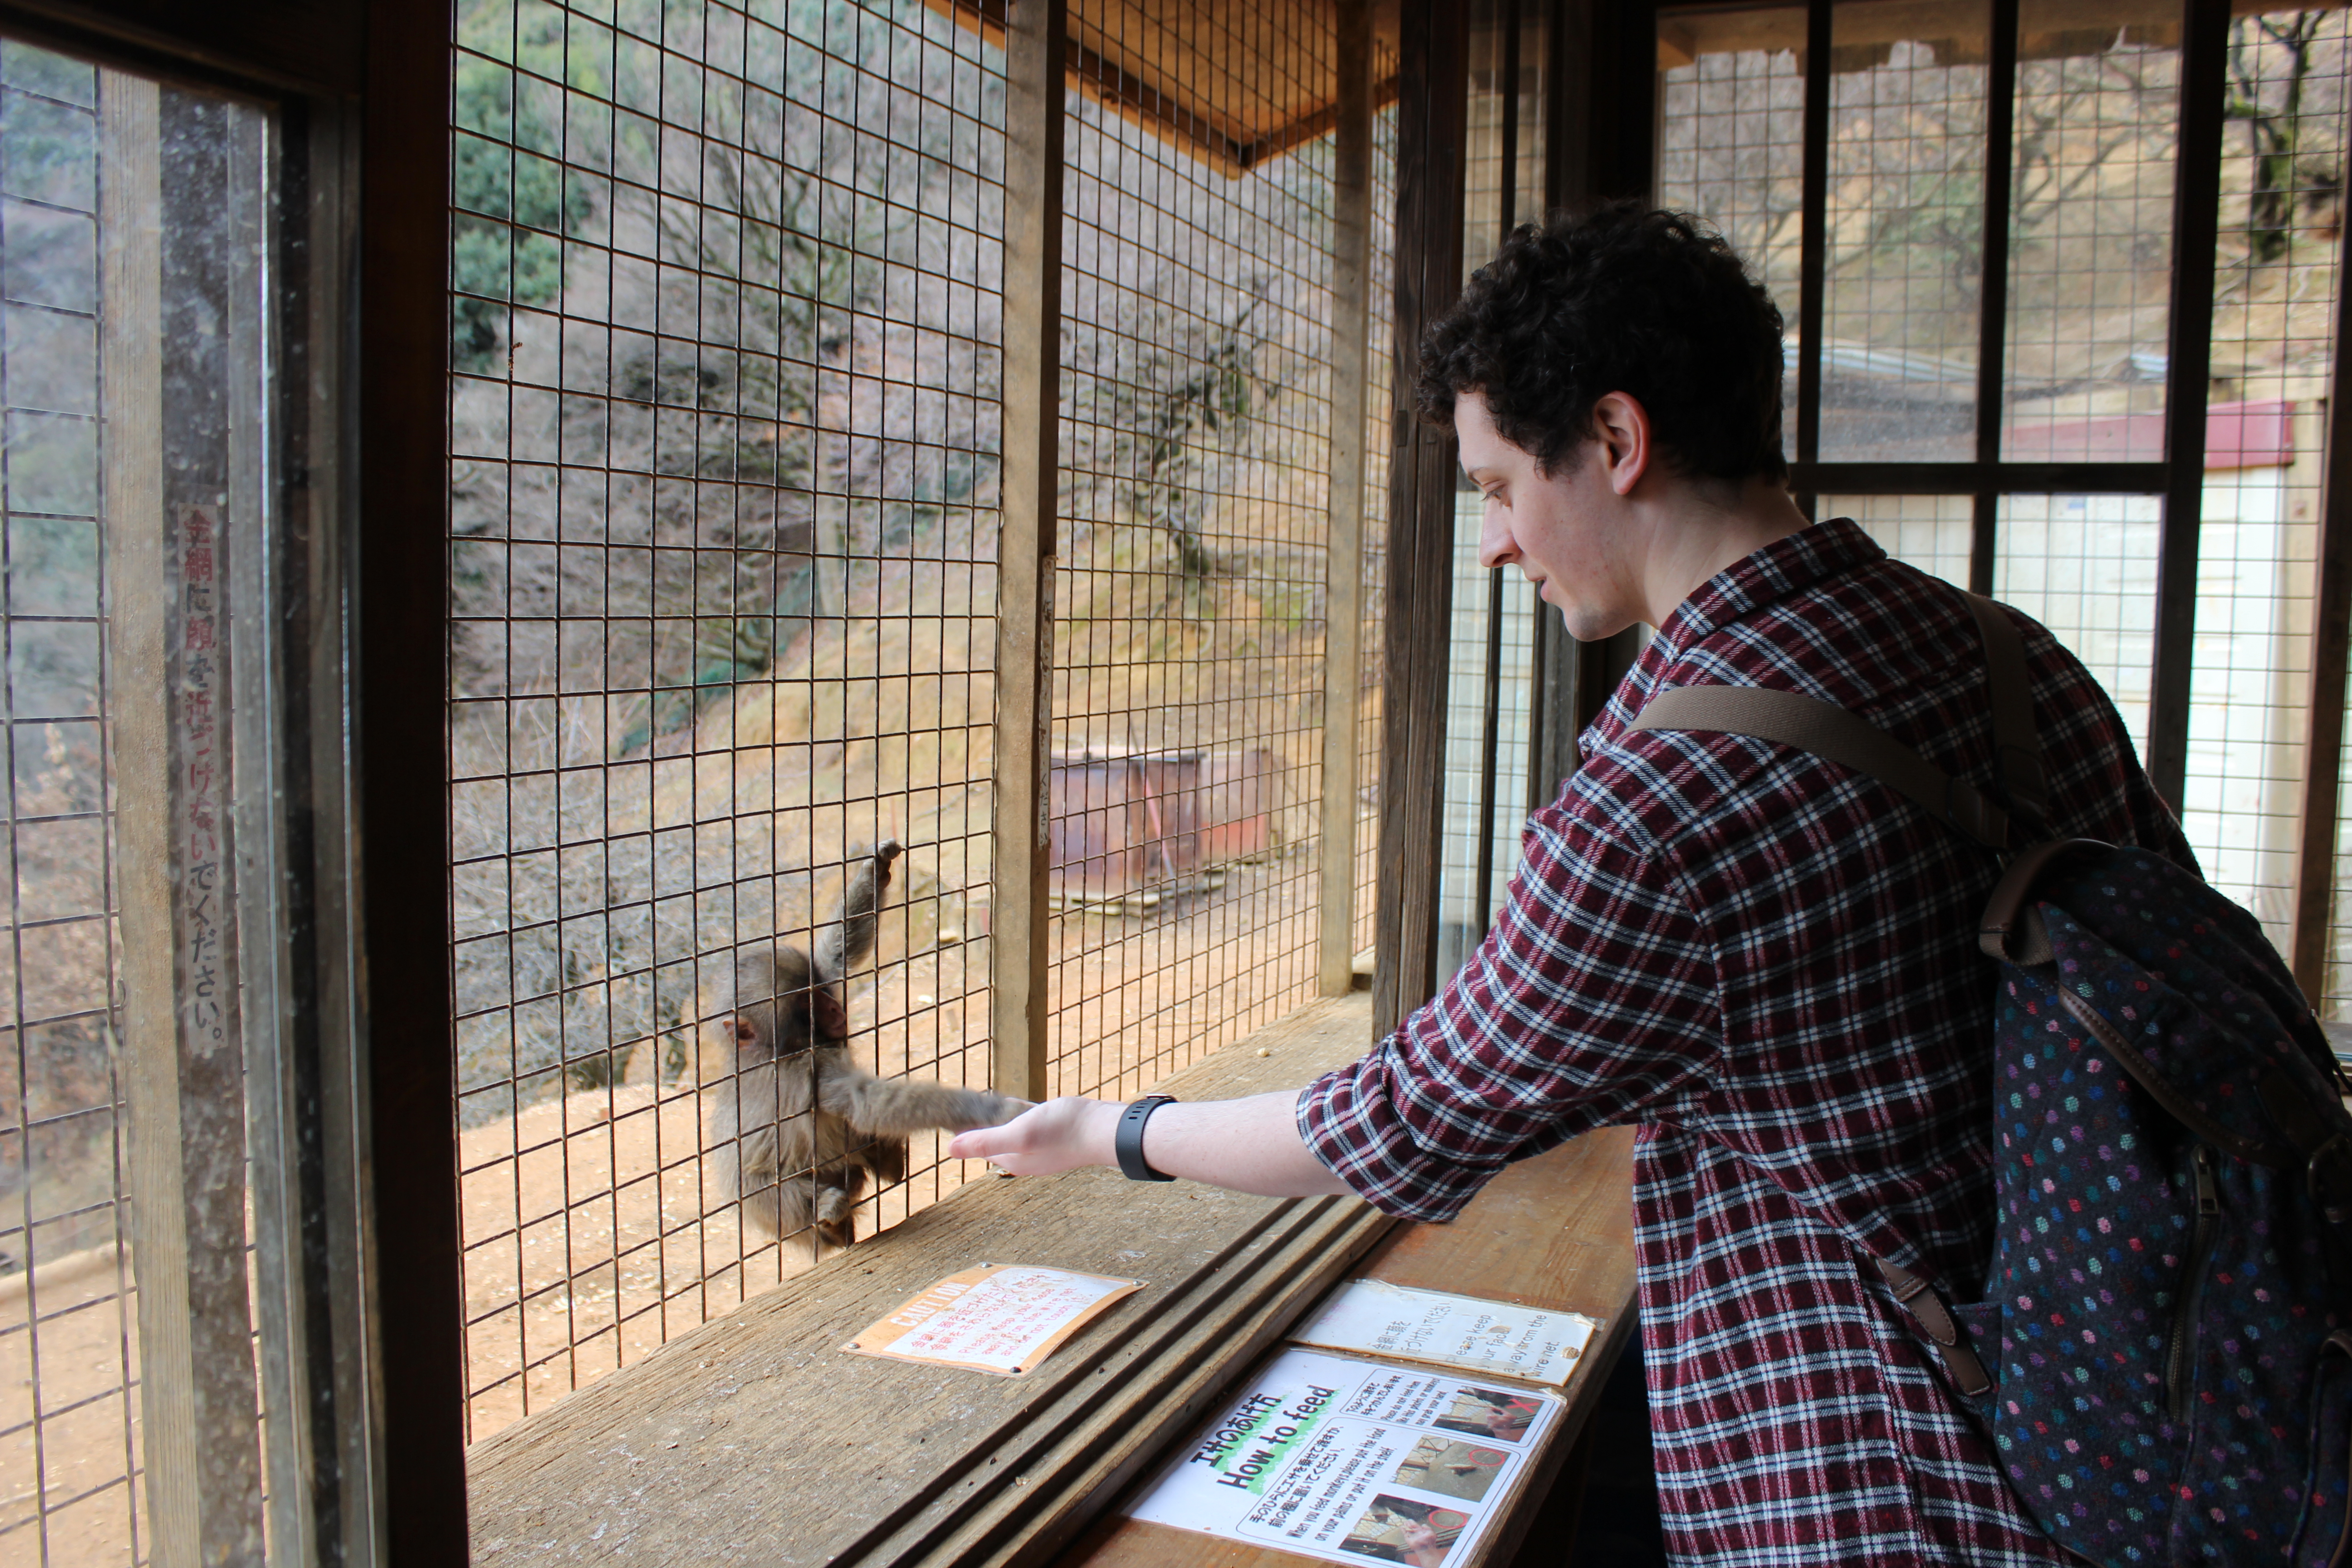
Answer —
1129 1141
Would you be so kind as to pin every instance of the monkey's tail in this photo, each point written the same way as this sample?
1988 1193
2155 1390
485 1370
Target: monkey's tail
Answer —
848 941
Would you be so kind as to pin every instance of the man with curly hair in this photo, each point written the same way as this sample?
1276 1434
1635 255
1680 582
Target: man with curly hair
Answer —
1763 960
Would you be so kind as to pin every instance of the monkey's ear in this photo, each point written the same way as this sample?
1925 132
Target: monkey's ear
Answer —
745 1033
832 1021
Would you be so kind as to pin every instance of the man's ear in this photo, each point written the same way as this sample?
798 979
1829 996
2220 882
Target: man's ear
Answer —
1622 426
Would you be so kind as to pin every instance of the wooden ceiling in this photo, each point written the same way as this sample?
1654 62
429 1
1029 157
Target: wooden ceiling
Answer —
1235 83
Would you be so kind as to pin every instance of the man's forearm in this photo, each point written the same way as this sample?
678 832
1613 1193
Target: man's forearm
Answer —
1244 1145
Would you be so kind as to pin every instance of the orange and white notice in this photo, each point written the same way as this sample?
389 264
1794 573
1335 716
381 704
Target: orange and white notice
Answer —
1000 1318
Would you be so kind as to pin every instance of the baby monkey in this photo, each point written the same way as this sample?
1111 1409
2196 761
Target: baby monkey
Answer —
796 1127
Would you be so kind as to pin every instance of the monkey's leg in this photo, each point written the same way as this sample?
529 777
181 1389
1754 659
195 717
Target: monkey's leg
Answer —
837 1204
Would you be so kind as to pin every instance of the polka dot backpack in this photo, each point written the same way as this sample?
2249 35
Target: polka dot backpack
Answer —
2162 1352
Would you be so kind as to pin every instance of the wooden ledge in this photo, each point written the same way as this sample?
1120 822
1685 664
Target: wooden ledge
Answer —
754 1438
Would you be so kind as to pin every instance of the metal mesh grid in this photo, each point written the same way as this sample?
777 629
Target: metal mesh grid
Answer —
724 427
1906 225
2084 566
69 1457
1490 702
2097 113
1931 533
1196 408
1731 149
2274 321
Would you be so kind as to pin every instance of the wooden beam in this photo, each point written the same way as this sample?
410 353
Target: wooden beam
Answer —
2319 819
401 1325
1431 107
181 264
1343 570
1993 293
2196 221
1308 127
1192 120
1036 35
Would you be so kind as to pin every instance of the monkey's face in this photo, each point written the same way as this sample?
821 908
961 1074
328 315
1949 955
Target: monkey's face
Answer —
777 1009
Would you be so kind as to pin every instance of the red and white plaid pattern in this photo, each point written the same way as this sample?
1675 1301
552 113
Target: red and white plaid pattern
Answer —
1769 963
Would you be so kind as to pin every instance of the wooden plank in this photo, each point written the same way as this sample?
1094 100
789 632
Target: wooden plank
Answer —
757 1429
399 1356
1814 244
1555 1232
2196 221
178 207
1035 37
1992 288
1433 89
1343 556
2319 826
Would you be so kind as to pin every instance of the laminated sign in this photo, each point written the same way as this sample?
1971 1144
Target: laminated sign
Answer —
994 1317
1355 1461
1379 1319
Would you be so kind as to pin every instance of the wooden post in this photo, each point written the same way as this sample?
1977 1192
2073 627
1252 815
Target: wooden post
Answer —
173 504
1432 87
2196 221
1343 591
2317 827
1035 35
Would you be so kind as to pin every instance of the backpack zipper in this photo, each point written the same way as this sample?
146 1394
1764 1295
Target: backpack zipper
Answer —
2179 1363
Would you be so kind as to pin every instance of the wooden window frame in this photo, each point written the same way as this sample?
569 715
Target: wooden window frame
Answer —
365 1318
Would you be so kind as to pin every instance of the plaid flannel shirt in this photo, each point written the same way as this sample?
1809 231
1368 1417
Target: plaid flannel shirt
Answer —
1766 961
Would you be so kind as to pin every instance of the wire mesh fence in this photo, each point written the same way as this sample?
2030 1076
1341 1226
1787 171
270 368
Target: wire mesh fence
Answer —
2095 118
2273 328
1900 310
725 426
725 298
1490 672
69 1454
1188 674
1731 147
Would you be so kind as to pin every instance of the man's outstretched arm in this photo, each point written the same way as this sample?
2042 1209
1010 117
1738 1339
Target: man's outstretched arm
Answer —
1244 1145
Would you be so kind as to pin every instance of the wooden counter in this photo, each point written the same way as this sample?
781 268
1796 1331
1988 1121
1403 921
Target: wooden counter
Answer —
1557 1232
754 1438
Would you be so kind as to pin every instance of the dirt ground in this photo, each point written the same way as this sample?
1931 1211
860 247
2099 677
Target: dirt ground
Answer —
86 1344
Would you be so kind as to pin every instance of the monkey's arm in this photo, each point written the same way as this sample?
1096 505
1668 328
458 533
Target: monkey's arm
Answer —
894 1107
1242 1145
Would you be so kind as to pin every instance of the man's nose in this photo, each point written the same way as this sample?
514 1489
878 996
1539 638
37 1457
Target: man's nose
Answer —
1495 546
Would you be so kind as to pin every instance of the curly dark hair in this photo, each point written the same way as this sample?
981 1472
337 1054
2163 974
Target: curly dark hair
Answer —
1653 304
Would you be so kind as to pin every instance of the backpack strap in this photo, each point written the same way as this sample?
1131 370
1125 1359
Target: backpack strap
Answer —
1826 730
2017 743
1829 731
1952 1347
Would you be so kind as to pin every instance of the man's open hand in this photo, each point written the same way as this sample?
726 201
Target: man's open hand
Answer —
1245 1145
1059 1135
